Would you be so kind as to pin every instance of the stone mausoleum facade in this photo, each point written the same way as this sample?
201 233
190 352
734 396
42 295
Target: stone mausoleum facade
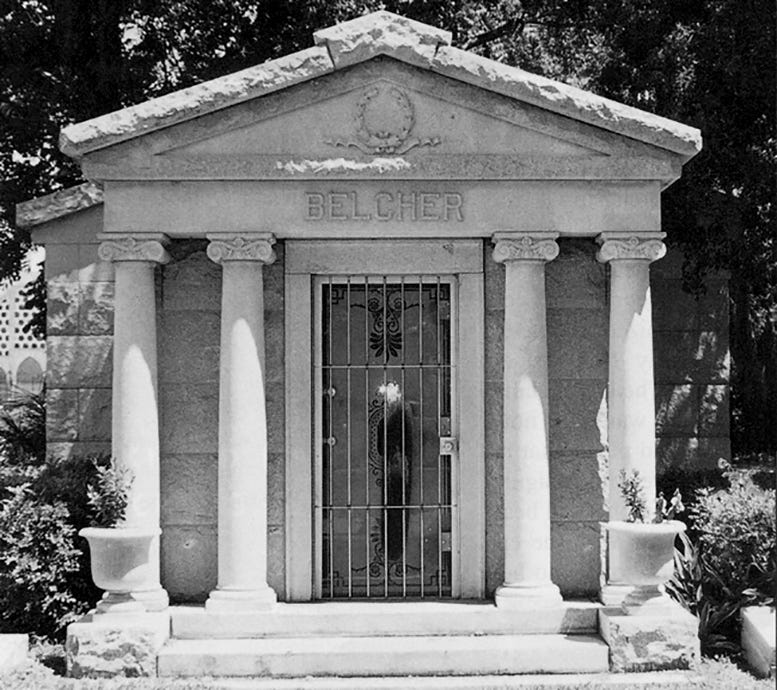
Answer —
374 321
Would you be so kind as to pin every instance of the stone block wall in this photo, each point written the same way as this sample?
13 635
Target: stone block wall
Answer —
692 368
79 340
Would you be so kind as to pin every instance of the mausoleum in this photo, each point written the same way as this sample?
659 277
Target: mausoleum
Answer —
371 326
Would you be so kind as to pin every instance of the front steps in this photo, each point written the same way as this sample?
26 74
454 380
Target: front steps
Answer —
384 639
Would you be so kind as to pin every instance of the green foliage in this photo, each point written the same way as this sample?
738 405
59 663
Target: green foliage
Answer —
633 491
38 562
23 429
107 496
732 562
738 535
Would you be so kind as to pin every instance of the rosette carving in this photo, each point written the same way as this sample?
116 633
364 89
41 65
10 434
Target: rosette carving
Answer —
634 247
525 248
242 248
128 248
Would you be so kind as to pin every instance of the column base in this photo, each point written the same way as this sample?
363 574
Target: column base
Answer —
119 602
528 596
152 599
230 601
638 600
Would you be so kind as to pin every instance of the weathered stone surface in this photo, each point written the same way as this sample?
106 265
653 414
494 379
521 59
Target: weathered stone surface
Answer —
379 33
95 315
195 403
276 558
61 414
690 452
676 410
575 280
690 356
577 343
494 417
216 94
189 489
64 450
567 100
83 361
189 347
758 639
94 414
191 284
650 643
577 488
102 646
62 304
189 561
575 557
57 204
494 354
276 494
714 410
574 418
13 651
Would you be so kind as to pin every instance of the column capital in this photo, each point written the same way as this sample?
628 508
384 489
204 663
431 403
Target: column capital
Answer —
142 246
646 247
515 246
249 246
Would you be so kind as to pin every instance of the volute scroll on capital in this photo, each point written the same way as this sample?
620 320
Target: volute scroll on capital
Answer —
525 247
133 248
633 247
256 247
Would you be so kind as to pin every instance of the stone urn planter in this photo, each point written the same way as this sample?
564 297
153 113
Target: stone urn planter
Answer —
640 559
121 562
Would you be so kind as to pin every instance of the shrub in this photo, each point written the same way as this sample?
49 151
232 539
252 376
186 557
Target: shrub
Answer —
38 562
732 562
23 429
107 496
737 535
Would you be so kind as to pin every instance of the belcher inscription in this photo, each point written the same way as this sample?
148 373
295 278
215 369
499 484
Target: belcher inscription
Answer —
385 206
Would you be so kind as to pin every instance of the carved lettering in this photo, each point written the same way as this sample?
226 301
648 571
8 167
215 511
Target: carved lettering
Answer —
384 206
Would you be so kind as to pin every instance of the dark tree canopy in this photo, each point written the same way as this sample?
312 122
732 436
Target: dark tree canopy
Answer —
707 63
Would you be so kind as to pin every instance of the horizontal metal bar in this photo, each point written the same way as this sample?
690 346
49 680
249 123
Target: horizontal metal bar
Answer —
380 506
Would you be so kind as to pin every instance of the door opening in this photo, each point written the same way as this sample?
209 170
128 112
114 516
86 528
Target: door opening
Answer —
385 515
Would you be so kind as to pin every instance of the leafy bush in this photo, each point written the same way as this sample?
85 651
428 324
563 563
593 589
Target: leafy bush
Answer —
23 429
732 562
107 496
38 562
738 535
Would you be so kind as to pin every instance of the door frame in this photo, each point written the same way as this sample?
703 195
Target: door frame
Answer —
305 259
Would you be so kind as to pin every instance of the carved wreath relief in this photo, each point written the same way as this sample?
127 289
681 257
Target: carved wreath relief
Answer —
383 121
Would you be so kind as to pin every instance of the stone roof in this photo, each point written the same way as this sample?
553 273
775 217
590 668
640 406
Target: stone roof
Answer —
61 203
359 40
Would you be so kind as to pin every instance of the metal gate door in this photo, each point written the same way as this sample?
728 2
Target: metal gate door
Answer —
386 455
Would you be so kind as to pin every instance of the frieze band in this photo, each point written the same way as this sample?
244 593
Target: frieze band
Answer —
132 248
242 248
634 247
525 248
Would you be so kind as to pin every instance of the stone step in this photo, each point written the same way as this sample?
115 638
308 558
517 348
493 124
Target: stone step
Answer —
384 618
384 656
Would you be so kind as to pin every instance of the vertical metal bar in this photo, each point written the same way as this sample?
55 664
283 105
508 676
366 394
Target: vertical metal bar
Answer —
422 411
439 457
385 440
348 431
367 431
331 452
404 451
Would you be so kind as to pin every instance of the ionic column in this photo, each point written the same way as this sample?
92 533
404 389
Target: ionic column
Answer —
135 414
631 407
527 582
242 487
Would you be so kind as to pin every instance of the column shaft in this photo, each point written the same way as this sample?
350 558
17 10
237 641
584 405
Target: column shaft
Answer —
631 426
242 504
527 580
135 413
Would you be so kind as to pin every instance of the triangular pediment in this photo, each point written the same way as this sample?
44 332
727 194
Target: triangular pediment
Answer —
380 87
